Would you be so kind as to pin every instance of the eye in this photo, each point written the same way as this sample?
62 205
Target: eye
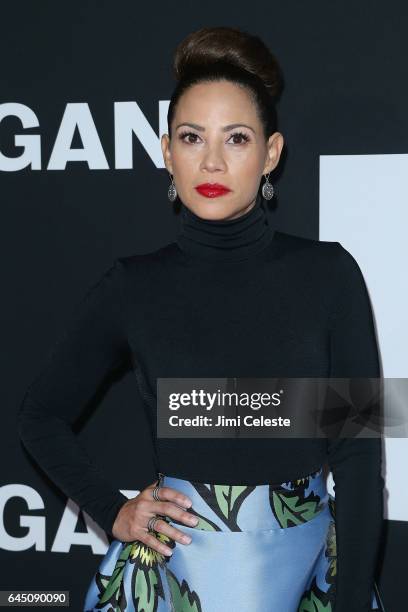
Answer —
244 137
182 135
240 135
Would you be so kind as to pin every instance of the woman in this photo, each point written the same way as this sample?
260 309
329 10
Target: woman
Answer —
231 297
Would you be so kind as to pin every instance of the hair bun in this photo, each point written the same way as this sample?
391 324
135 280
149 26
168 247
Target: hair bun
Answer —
230 45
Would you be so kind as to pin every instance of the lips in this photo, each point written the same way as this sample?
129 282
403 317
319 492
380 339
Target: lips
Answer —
212 190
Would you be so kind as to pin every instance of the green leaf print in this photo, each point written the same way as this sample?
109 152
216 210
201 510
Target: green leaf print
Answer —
145 590
226 497
290 509
331 552
112 584
225 501
316 600
183 599
206 524
312 603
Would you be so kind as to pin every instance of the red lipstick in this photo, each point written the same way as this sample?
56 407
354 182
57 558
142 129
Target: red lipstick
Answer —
212 190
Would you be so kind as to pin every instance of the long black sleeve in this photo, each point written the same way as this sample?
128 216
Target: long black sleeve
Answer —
93 345
173 313
355 463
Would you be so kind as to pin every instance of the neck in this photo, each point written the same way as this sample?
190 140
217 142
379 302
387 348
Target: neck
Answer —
227 239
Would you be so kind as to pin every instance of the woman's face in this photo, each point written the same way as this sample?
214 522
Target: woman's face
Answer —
205 148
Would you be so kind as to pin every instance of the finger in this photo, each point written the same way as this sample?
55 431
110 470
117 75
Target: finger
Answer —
169 509
173 533
170 494
151 541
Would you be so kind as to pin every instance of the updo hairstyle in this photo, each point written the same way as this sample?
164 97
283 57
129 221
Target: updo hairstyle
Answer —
223 53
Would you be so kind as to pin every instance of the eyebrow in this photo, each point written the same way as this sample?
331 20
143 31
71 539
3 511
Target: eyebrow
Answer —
226 128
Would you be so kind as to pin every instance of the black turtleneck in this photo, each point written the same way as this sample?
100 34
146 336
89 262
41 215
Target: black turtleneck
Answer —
226 240
232 298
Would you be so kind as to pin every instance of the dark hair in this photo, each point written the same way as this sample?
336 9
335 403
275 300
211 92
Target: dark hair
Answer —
222 53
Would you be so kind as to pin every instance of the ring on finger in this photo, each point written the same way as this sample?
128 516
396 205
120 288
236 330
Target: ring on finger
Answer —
151 523
155 493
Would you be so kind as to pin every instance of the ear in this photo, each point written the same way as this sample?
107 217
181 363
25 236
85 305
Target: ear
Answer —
165 147
274 149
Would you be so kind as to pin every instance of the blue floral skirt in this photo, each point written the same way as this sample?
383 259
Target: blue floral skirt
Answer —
257 548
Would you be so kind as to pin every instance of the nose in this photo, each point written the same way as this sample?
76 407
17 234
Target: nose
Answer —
213 159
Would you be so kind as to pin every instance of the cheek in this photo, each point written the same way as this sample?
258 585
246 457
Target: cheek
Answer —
184 166
245 164
243 156
184 158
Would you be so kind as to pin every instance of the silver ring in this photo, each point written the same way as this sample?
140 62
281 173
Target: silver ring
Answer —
155 493
151 522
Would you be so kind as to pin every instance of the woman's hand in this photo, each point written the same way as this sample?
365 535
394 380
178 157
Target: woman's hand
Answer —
131 521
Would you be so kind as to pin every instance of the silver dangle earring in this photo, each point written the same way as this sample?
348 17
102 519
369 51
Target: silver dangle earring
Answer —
267 188
172 191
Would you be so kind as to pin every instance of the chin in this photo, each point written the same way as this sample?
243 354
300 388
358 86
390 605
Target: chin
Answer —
213 209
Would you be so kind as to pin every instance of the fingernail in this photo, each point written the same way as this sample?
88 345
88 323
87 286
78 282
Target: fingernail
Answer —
186 539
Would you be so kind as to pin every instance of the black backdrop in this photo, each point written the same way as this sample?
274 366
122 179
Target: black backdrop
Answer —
346 92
